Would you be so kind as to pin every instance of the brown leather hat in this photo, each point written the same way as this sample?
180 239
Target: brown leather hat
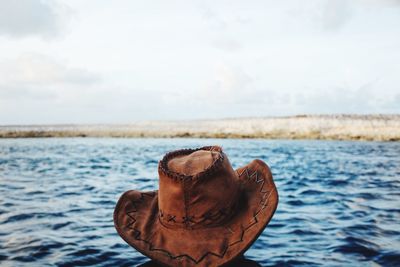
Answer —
204 213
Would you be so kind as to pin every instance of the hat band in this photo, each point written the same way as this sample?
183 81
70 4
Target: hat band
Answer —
205 220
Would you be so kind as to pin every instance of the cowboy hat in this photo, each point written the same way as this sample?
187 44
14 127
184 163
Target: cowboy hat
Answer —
204 213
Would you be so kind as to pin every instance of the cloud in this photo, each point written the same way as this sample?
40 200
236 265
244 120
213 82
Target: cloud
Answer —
232 85
331 16
36 75
24 18
381 2
215 20
15 92
227 44
334 14
224 26
39 69
323 15
228 81
364 99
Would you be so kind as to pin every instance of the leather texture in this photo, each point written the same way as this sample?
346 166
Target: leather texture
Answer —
205 213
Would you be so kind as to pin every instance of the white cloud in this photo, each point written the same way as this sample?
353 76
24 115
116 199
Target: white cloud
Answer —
21 18
227 44
36 75
333 15
37 68
133 60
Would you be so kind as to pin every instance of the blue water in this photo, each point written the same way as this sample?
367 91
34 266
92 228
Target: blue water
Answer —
339 201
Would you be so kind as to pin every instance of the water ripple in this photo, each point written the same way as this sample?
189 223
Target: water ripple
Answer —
339 201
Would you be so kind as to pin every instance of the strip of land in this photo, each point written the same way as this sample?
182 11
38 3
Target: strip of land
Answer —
327 127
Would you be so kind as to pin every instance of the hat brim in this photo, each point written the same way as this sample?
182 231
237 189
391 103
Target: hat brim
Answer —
137 222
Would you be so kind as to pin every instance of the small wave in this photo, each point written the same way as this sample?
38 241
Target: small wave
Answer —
60 225
289 263
88 257
102 202
66 194
84 252
309 192
96 167
337 182
359 246
19 217
368 196
295 202
37 192
389 258
27 216
301 232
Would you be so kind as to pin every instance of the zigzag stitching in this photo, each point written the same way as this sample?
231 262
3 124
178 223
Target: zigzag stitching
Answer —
134 203
262 207
151 248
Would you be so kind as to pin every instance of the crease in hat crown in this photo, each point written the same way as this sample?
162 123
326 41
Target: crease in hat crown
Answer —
206 198
164 169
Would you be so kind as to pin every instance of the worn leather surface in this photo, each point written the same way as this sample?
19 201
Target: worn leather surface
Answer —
204 213
193 163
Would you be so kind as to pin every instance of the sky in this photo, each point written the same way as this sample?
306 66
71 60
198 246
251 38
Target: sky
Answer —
98 61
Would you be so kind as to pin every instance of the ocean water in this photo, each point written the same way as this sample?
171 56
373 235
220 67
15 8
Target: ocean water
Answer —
339 201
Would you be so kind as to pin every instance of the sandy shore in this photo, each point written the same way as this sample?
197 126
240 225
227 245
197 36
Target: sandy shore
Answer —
329 127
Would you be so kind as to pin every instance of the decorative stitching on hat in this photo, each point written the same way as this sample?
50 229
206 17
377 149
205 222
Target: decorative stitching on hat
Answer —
266 195
134 203
169 254
163 164
171 218
187 220
206 219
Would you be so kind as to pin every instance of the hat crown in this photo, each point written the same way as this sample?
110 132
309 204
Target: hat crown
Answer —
193 163
197 188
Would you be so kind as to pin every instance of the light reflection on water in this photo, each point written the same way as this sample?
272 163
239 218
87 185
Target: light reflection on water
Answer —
339 201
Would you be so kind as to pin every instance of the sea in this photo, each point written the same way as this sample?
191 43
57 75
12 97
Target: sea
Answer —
339 201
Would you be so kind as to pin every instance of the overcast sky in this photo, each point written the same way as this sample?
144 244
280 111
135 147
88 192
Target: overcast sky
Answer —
122 61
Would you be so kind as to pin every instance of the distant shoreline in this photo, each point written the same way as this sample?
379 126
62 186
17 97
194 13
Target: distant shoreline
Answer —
314 127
